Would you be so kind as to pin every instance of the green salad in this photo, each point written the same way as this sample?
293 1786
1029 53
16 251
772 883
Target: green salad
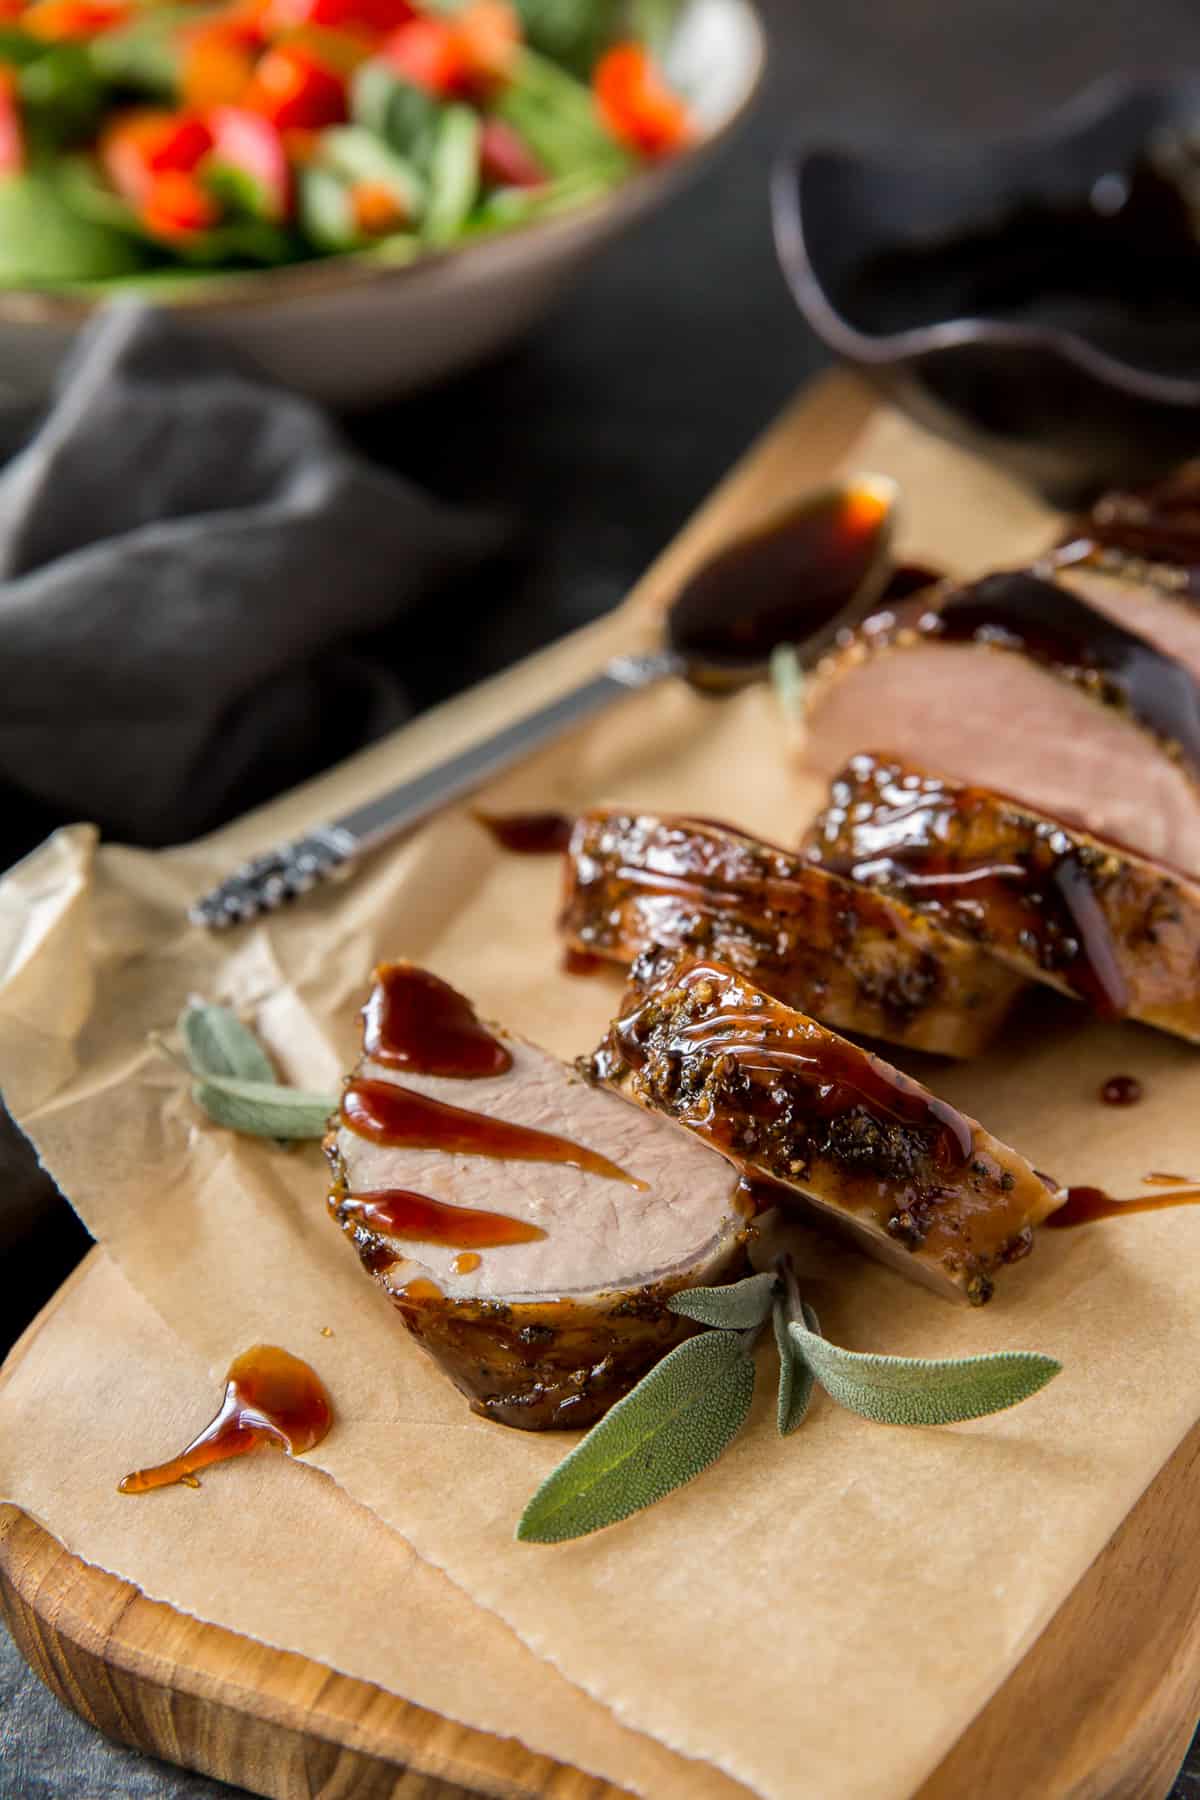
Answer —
144 141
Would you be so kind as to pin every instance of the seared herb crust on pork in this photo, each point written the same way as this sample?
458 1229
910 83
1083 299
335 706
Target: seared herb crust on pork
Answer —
782 1097
644 887
1087 917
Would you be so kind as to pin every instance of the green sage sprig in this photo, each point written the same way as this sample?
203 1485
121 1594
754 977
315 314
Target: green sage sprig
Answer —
217 1043
688 1409
796 1379
235 1082
264 1108
675 1422
912 1390
787 678
684 1414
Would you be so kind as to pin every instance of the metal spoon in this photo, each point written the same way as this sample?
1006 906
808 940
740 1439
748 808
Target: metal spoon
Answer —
713 640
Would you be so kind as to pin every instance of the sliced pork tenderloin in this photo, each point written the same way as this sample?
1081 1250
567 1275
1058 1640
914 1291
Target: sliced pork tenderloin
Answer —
914 1181
1086 917
1135 555
640 889
538 1284
1014 684
1153 599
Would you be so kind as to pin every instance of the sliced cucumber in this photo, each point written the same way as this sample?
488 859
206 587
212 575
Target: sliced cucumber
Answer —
326 210
453 175
403 116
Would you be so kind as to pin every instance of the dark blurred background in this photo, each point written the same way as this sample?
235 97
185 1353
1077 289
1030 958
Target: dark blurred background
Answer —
602 434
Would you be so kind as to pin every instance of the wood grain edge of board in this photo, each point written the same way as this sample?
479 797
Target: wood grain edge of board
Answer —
230 1707
1100 1708
1104 1703
234 1709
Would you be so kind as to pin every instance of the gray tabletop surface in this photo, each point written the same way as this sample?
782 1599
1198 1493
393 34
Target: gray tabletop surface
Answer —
605 431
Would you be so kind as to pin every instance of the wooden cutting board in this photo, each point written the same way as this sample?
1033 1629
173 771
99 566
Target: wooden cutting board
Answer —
1101 1708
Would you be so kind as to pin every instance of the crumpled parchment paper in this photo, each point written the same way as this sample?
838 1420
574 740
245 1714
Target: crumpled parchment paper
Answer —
822 1615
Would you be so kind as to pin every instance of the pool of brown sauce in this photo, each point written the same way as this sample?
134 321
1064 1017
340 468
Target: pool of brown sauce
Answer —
271 1397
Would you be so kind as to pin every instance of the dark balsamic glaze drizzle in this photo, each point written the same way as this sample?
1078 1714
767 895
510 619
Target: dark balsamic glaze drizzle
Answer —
376 1256
528 833
907 579
402 1119
401 1213
1122 1090
271 1397
1097 972
415 1021
1088 1205
582 962
896 828
1017 610
838 1077
780 584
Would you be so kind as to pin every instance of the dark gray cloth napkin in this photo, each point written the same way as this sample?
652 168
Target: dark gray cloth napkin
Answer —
190 560
187 556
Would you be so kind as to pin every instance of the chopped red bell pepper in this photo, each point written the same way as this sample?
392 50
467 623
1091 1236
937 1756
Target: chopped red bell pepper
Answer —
300 146
246 19
427 53
488 36
374 16
12 135
139 146
636 104
216 63
177 204
467 54
54 20
251 144
505 159
292 87
341 51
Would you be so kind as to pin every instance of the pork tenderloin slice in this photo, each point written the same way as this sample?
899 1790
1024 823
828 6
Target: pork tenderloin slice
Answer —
1154 600
548 1332
644 887
1086 917
994 718
915 1182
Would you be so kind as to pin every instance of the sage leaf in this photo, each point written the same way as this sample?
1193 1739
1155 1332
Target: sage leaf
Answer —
667 1430
217 1043
738 1307
787 678
795 1376
264 1108
906 1390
